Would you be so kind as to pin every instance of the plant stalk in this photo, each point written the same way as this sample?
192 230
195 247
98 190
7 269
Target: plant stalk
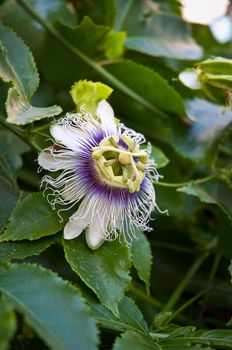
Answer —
181 287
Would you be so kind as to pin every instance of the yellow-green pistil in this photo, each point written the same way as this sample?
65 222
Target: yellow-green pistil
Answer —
119 167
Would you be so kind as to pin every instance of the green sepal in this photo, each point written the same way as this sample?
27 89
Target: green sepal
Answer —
216 65
87 94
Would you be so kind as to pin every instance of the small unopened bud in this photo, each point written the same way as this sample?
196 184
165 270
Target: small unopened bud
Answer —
214 77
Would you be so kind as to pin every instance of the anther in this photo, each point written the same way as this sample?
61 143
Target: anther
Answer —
114 141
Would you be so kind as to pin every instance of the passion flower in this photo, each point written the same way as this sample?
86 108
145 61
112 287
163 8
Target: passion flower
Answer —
106 169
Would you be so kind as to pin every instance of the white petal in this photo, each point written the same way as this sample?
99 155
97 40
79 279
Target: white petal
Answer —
73 191
106 114
67 136
51 161
78 221
96 233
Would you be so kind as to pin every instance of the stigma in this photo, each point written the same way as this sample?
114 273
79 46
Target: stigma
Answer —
120 163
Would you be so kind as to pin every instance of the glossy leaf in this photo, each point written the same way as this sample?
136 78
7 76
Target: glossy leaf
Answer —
105 271
17 66
142 257
68 326
7 324
20 250
155 33
200 140
130 317
144 81
31 219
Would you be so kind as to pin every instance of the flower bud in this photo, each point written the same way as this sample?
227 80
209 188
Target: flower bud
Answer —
214 77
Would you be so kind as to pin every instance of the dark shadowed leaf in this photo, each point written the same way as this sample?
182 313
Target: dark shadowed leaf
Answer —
230 270
100 11
214 192
13 15
20 250
7 324
130 317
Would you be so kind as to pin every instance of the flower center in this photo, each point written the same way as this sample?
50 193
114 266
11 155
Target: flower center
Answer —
120 166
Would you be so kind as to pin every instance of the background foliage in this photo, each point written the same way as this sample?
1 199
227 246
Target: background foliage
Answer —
170 289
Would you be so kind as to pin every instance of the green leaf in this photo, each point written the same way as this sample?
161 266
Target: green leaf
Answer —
159 157
220 338
7 324
142 257
17 66
20 250
31 219
144 81
214 192
105 271
155 33
51 306
135 341
179 339
87 94
199 191
130 317
201 139
14 16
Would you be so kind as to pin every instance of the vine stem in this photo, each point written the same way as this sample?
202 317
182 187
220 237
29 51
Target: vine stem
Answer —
187 304
98 68
182 285
181 184
150 300
212 274
11 127
20 133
